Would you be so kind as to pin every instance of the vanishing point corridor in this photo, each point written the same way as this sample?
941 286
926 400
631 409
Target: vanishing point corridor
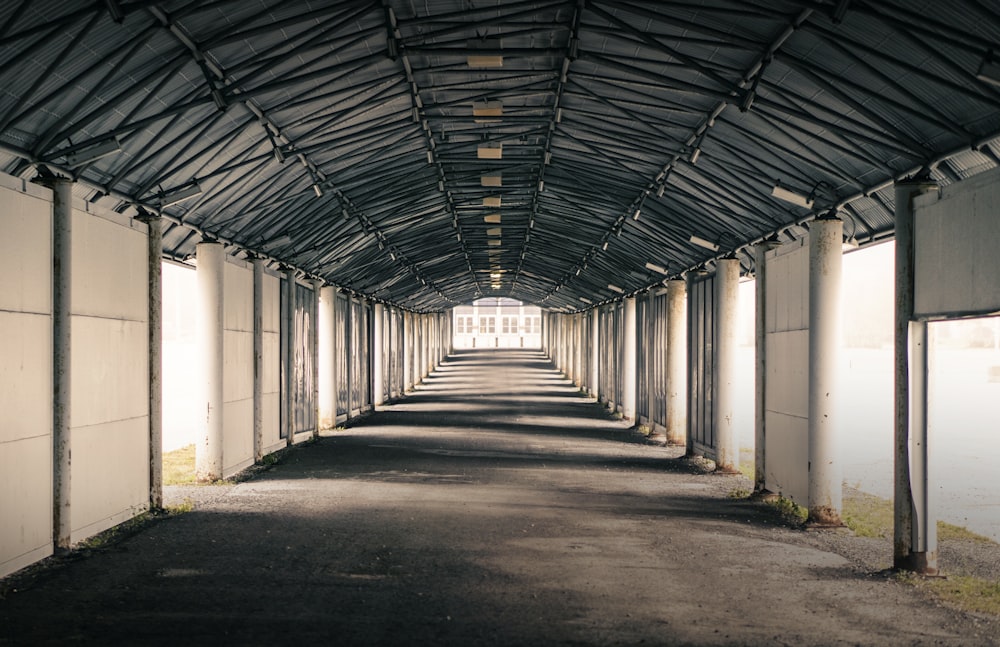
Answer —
494 505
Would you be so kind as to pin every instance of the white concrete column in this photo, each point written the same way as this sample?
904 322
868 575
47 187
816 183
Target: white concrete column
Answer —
628 361
378 344
422 348
407 350
211 261
650 345
826 238
62 311
914 528
317 286
349 351
327 358
595 352
760 368
258 360
727 446
154 256
288 363
676 362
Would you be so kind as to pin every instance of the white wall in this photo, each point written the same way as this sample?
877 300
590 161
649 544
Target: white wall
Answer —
109 420
787 397
237 381
25 374
272 362
955 236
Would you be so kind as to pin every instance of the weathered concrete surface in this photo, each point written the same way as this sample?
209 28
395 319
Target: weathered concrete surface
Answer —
492 507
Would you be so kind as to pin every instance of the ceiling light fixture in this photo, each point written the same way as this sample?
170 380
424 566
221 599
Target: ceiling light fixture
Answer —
490 152
491 201
487 109
492 219
989 70
494 231
615 288
792 197
93 152
585 300
482 53
491 180
701 242
179 194
659 269
638 212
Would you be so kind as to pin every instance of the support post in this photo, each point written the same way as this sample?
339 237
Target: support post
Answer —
349 351
727 281
676 362
760 365
155 349
378 312
62 303
595 352
211 276
407 350
327 358
825 469
288 359
317 286
914 529
628 361
258 359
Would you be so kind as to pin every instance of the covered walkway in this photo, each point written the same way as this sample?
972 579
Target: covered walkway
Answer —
494 505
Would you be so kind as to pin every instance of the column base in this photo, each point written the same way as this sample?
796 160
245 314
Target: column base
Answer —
821 517
925 563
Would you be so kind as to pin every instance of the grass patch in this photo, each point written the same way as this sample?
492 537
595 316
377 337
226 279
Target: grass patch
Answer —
948 531
739 493
187 505
868 515
872 516
964 592
790 511
178 466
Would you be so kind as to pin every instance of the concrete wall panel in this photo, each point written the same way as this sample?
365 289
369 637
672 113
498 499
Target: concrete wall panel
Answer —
788 456
109 370
26 249
110 475
238 288
955 259
237 383
26 501
109 267
272 358
237 445
109 393
786 417
788 373
25 374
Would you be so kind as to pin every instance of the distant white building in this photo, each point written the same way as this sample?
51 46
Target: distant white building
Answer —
497 322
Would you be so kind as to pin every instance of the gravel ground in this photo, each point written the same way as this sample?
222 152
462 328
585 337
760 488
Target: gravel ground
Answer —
494 506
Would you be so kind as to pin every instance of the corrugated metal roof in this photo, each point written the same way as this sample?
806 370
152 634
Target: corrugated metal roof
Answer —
339 137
